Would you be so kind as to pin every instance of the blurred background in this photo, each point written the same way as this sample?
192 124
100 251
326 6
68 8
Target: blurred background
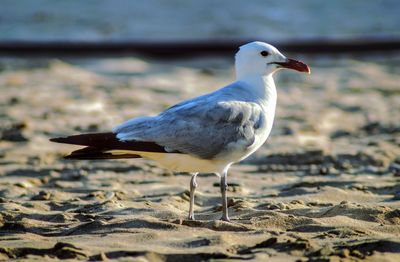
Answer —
177 19
216 27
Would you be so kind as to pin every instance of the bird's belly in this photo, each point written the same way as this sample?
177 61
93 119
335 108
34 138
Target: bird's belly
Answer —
180 162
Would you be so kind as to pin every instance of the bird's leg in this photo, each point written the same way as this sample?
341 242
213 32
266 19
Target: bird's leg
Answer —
224 186
193 186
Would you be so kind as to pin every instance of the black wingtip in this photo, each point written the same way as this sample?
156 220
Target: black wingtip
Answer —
90 139
109 141
57 139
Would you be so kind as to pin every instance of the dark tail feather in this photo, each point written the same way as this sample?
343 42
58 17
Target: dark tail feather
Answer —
109 141
92 153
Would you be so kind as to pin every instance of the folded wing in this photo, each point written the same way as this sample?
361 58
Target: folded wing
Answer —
202 127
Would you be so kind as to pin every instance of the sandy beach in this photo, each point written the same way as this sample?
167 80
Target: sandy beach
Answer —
325 186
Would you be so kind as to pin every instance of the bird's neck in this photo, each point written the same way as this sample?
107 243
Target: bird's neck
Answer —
262 87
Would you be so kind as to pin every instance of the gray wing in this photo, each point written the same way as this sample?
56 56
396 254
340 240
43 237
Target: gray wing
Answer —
204 126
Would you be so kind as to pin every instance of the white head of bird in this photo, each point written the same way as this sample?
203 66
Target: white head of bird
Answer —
262 59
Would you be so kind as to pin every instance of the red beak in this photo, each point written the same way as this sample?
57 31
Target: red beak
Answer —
295 65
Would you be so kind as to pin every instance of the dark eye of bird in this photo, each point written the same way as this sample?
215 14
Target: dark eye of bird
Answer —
264 53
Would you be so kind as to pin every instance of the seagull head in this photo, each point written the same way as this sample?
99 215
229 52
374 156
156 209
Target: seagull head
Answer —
260 59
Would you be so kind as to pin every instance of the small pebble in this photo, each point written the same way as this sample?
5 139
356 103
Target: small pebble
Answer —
299 202
43 195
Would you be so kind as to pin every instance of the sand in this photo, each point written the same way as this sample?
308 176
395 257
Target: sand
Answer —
325 186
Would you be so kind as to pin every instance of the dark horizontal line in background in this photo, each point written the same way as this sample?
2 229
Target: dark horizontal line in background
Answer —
191 48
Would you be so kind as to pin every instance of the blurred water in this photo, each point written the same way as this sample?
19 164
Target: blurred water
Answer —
180 19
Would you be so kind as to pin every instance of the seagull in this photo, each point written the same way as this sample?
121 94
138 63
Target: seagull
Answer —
206 134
